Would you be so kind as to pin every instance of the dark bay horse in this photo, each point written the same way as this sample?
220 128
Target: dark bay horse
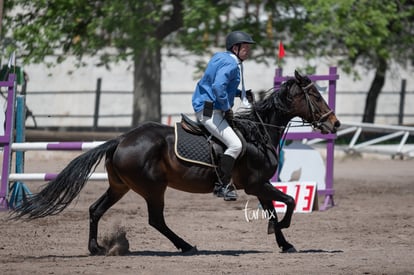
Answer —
144 160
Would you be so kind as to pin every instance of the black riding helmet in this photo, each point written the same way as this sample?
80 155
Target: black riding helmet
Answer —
238 37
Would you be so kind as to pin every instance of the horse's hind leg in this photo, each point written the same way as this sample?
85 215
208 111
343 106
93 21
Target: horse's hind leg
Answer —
156 220
96 211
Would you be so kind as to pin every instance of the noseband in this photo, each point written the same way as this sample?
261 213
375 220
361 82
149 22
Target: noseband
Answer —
313 108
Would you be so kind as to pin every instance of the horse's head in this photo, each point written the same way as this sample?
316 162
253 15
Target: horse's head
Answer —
308 103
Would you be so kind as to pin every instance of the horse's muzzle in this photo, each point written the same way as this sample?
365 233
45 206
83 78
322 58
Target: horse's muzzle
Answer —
327 124
327 127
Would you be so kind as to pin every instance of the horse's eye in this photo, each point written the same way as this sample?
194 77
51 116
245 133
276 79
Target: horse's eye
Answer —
317 95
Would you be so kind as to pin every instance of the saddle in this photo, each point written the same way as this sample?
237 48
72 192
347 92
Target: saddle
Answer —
195 144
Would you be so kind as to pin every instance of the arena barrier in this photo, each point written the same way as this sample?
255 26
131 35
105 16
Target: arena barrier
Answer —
52 146
6 138
15 120
332 77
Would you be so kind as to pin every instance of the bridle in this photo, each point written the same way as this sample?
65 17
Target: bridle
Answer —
313 108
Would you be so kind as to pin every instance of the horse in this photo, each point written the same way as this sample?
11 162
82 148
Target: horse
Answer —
143 160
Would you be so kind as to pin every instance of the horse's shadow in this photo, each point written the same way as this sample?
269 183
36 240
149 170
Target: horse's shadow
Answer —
320 251
222 252
195 253
153 253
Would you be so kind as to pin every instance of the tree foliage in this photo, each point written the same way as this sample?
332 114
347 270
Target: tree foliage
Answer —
370 34
359 32
49 31
112 30
352 32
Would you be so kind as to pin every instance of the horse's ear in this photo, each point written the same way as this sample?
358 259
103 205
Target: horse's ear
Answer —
298 76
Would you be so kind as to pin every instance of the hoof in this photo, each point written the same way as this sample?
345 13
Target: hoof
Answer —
191 251
96 250
289 250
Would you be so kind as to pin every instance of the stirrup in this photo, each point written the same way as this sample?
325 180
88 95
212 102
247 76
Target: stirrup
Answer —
227 192
218 190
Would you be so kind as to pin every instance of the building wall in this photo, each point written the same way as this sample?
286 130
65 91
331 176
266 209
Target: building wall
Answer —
180 76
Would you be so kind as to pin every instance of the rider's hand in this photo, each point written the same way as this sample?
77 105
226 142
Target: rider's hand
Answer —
250 96
229 116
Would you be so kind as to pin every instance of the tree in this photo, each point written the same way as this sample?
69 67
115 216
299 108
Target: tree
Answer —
1 13
367 33
136 31
112 30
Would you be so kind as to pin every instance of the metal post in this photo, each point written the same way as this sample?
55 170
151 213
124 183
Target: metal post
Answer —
330 146
97 103
7 140
19 191
402 102
20 131
277 81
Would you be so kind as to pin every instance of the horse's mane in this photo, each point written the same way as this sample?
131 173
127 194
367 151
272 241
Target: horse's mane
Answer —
275 100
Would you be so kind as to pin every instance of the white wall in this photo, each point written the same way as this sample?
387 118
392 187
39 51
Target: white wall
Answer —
180 76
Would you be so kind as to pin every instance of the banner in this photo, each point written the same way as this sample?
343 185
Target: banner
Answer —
304 194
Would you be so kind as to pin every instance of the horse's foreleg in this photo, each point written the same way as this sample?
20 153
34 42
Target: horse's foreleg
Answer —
269 193
290 207
96 211
273 228
156 220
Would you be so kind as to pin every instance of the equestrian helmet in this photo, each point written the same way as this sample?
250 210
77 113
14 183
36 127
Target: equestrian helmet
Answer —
238 37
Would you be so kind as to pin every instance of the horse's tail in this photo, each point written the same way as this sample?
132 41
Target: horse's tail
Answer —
60 192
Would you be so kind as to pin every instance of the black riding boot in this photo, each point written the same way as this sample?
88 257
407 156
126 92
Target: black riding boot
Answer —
224 187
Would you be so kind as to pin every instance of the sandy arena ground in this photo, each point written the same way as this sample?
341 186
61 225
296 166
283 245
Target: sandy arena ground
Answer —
369 231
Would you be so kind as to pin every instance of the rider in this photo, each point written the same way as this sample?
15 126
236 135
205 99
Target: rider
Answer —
213 100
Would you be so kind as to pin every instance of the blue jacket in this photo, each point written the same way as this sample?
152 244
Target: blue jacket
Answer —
219 83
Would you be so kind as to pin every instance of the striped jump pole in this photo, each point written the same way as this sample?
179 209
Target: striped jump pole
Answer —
49 176
55 146
52 146
18 191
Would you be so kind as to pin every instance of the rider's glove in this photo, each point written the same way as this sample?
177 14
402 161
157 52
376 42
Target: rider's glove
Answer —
229 116
250 96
